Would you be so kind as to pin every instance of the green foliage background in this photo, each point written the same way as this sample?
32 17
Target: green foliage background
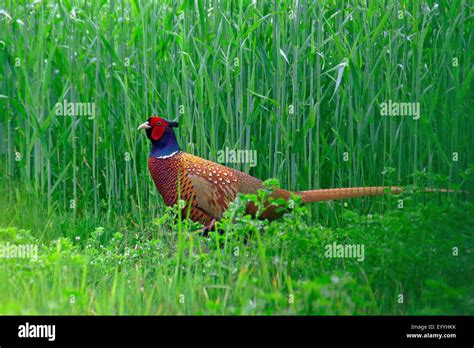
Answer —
301 83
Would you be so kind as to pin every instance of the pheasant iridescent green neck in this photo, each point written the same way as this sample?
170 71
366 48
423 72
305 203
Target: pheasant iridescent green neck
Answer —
166 147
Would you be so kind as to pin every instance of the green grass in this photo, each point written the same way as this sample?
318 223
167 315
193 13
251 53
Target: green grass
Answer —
256 267
264 77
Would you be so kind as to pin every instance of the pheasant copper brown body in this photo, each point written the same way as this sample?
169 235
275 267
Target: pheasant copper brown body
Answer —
208 187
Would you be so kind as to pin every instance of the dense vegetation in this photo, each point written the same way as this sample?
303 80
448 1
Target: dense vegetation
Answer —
299 83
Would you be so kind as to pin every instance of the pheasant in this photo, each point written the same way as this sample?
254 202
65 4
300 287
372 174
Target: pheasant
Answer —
208 188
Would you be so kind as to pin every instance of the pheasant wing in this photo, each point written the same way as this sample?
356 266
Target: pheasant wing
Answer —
215 186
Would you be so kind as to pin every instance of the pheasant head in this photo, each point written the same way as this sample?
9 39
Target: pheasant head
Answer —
161 134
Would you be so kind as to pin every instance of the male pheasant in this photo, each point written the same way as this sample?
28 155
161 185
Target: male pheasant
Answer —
208 187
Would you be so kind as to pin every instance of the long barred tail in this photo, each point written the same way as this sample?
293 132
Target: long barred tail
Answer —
351 192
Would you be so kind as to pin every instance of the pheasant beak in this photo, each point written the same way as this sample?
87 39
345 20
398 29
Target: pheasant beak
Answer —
145 125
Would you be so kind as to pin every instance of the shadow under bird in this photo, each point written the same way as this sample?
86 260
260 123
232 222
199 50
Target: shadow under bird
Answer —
208 188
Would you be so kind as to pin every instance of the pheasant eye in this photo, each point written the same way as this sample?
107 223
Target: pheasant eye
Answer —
159 123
